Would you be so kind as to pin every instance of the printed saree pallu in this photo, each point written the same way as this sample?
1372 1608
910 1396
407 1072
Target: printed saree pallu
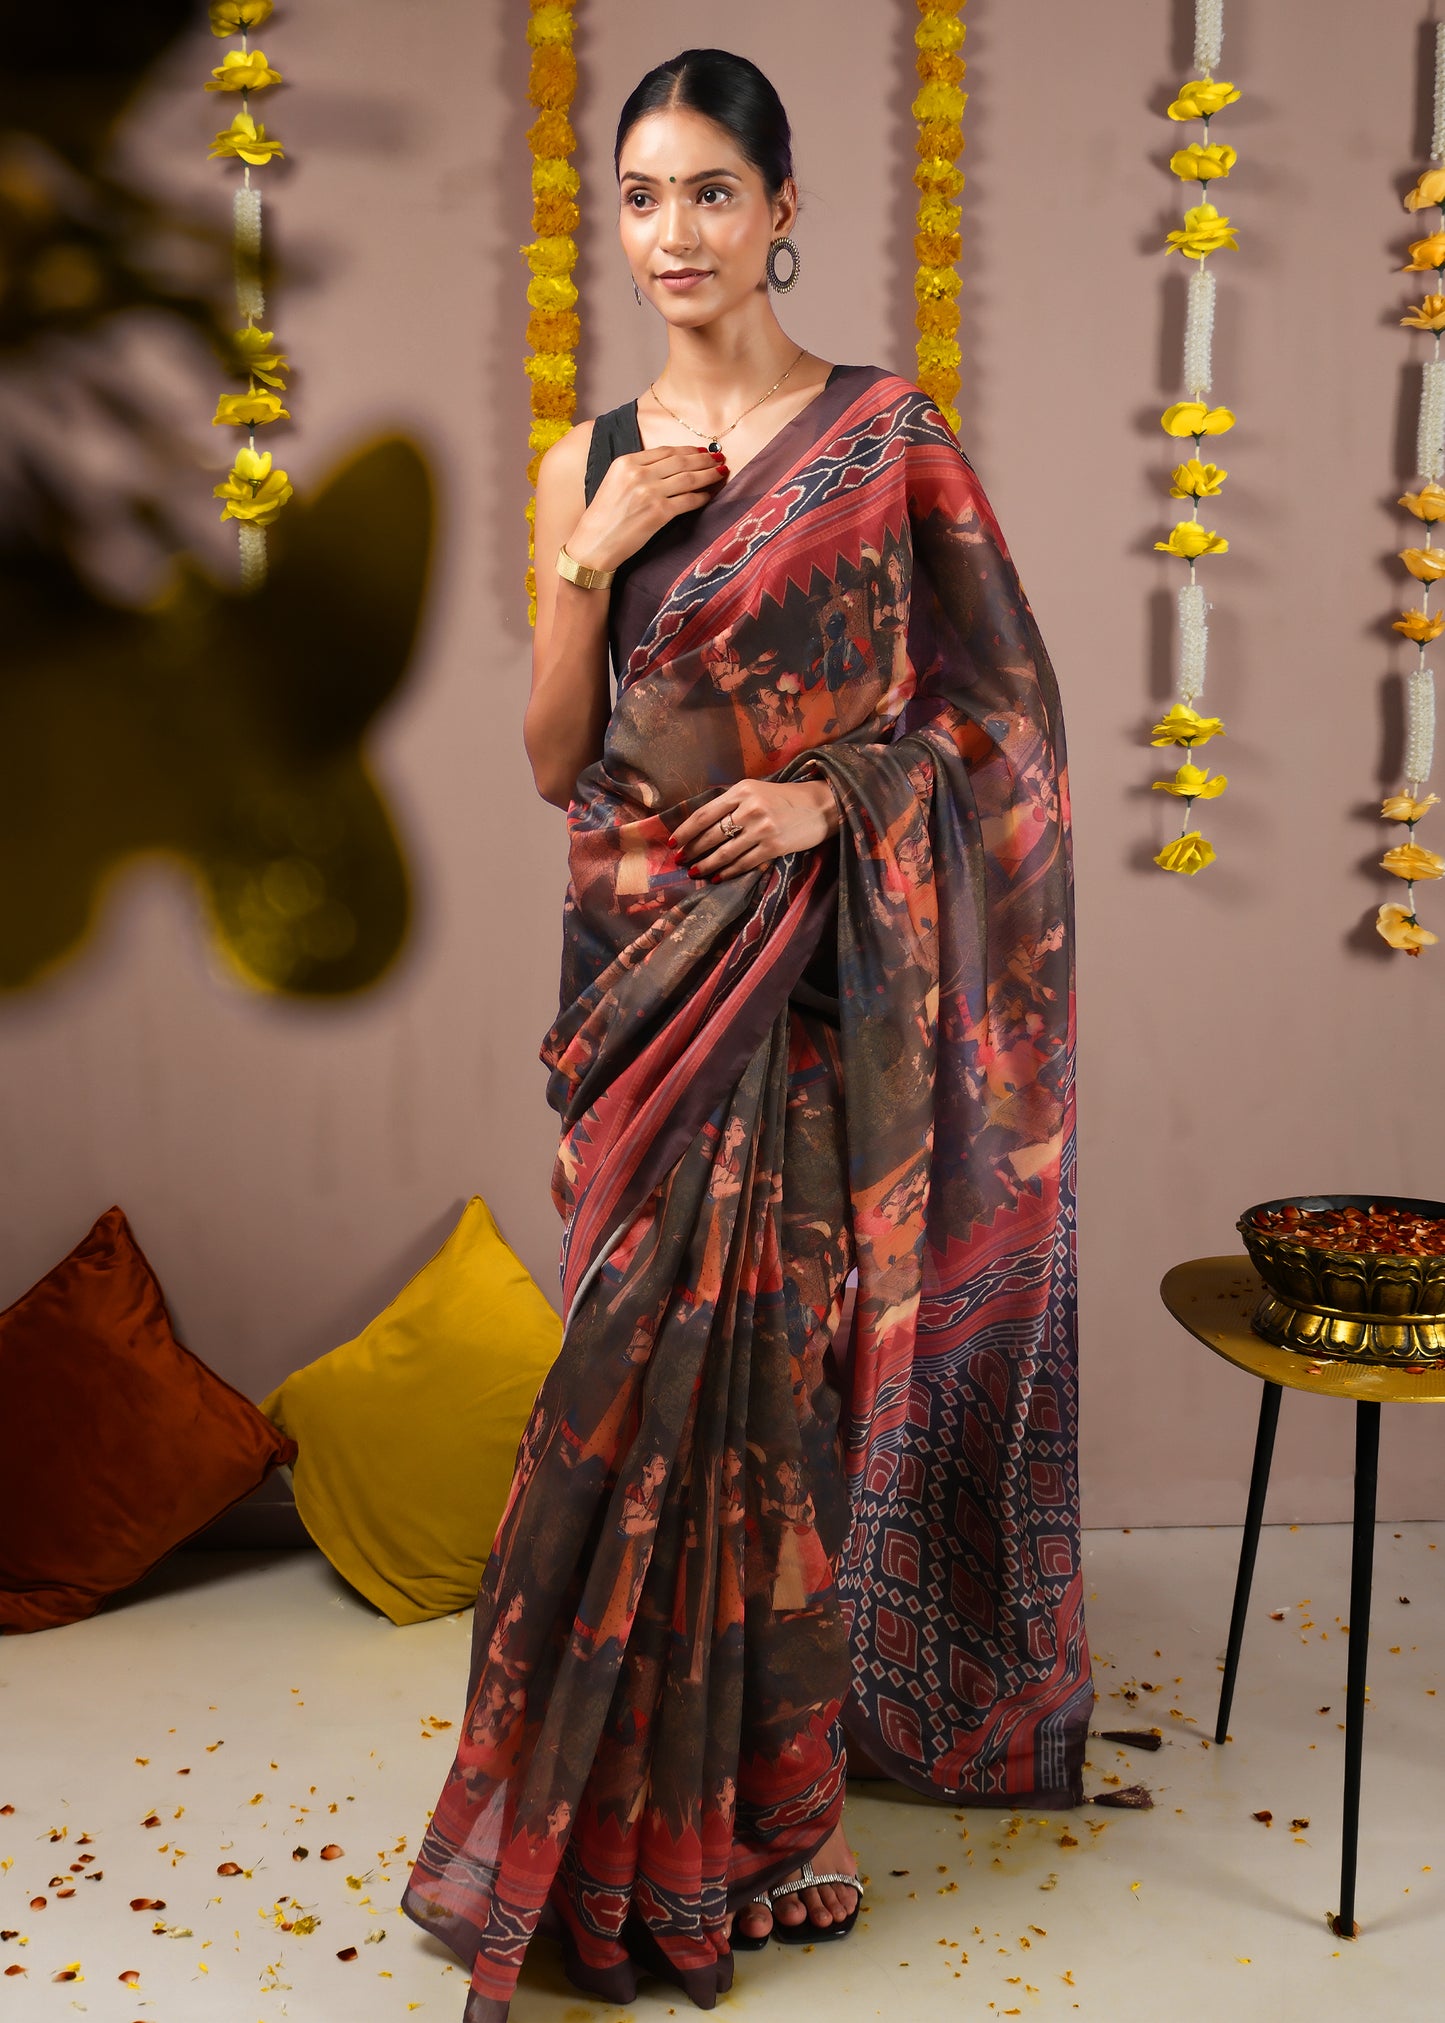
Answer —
729 1537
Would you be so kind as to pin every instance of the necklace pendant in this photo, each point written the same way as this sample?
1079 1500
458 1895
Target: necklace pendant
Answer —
713 445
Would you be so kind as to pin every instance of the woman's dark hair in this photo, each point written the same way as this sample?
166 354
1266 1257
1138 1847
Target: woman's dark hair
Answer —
730 91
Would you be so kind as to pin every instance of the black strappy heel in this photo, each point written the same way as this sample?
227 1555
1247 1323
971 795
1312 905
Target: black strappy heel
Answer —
807 1933
752 1942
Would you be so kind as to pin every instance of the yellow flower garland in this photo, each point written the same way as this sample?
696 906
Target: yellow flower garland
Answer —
253 494
1410 860
553 328
938 109
1205 231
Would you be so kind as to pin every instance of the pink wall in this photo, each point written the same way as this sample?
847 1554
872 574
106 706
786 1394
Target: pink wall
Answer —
287 1165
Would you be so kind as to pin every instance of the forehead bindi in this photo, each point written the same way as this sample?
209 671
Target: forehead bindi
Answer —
680 149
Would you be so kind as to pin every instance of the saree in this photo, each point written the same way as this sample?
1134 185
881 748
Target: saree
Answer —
735 1537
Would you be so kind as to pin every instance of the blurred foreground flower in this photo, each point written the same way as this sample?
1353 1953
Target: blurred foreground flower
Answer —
254 493
249 410
234 17
256 356
243 70
246 139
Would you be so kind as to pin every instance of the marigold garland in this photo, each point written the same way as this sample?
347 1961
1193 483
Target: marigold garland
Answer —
1205 231
553 328
1410 860
938 109
253 493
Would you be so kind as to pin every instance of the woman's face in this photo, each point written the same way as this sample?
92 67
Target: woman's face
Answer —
695 210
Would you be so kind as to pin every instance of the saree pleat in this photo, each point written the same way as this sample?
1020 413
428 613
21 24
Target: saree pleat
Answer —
731 1536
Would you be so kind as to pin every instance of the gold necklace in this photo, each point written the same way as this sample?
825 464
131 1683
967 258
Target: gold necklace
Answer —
713 439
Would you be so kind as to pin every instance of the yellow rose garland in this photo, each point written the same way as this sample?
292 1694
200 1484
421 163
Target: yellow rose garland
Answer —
1410 860
938 109
553 328
1205 231
253 494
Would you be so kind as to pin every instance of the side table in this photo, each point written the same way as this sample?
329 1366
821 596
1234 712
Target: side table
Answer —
1213 1297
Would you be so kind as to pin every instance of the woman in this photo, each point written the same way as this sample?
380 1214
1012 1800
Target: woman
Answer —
816 1018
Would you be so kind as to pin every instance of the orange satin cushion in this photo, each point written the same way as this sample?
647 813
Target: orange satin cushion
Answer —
116 1444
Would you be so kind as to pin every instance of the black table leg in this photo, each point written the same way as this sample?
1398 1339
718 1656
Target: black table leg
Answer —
1362 1568
1249 1546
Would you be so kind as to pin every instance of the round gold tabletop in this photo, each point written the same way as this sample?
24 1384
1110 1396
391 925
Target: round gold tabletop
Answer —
1214 1297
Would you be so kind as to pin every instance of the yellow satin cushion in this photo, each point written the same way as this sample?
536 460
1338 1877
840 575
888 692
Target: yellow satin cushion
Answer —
407 1437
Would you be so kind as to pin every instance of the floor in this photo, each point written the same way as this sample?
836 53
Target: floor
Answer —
248 1710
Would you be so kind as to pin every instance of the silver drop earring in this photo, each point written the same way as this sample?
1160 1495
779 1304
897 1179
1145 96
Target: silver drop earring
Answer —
783 246
638 293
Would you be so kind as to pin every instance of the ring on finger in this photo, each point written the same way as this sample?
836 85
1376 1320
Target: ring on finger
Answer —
729 826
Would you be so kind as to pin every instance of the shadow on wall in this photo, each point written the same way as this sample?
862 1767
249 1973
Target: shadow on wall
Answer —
220 727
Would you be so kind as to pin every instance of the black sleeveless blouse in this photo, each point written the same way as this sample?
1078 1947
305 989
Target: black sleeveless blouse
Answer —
640 581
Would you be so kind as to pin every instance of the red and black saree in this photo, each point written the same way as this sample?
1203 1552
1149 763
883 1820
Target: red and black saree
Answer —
731 1537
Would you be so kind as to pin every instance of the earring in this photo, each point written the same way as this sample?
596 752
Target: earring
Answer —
638 293
778 246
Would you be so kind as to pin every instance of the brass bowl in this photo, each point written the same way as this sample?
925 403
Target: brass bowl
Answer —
1359 1306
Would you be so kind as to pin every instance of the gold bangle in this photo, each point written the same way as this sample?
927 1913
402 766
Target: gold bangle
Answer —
580 574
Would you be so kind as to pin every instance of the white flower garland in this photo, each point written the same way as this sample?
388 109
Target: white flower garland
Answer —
1430 431
1419 727
253 492
1199 334
1204 232
1208 34
1410 861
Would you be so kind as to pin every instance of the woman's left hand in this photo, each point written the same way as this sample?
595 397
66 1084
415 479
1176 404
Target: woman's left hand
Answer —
753 822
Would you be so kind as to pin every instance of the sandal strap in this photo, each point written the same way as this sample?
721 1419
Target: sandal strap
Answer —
808 1880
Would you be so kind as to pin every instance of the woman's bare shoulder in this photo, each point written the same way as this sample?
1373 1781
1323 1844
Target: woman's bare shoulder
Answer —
565 463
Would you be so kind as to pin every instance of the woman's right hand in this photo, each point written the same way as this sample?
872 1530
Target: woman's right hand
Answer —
639 493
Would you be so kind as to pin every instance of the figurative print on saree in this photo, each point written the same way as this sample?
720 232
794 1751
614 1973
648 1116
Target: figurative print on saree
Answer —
731 1538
